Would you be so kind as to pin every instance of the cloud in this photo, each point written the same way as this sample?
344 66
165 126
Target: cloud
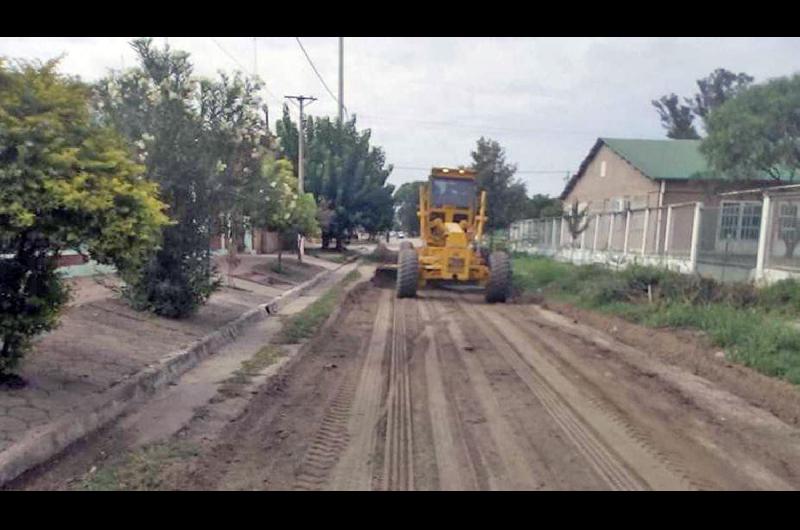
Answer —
427 100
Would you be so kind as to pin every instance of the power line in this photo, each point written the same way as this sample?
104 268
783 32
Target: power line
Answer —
520 171
317 72
476 127
235 60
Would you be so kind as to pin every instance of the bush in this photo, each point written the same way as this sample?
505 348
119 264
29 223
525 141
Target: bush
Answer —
750 323
782 295
65 183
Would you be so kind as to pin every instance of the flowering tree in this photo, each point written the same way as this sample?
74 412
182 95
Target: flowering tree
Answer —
276 205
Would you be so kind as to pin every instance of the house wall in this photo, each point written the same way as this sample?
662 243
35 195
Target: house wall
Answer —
621 180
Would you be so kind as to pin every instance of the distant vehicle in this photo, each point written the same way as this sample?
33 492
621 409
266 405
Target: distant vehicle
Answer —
401 235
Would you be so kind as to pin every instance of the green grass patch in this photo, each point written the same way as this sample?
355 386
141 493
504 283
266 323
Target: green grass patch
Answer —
305 323
753 325
139 470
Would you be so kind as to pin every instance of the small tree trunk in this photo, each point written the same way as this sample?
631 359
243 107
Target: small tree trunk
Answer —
300 248
280 252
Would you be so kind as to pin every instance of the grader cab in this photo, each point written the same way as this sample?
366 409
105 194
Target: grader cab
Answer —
452 216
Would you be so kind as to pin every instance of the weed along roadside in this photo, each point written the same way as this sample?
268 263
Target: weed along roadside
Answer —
752 326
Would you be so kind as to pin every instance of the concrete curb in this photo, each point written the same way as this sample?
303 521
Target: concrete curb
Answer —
41 445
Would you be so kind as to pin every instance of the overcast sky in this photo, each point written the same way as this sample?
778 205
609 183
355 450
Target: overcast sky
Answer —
427 100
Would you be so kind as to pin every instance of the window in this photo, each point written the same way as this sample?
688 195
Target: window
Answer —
603 168
729 220
740 221
453 192
787 216
751 221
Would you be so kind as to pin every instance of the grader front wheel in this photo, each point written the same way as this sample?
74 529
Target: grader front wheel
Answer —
499 285
407 273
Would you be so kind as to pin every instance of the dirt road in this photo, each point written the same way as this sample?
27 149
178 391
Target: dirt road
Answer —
447 392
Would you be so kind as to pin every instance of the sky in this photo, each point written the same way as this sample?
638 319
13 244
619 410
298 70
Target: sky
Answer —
428 100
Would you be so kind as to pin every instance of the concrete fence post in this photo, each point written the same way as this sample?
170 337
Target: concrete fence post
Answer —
596 231
763 237
583 239
645 229
668 232
554 244
627 231
698 210
610 230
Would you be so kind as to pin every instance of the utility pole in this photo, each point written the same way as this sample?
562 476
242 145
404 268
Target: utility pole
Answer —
341 80
301 164
301 141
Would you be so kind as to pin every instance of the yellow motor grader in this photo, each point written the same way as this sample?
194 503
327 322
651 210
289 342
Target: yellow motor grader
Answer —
452 216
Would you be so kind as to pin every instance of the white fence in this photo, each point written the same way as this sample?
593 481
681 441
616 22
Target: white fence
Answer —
665 236
736 240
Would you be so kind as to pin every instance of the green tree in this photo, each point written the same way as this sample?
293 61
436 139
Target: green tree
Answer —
506 195
66 182
282 210
756 135
234 131
543 206
676 118
159 108
406 199
713 90
717 88
344 173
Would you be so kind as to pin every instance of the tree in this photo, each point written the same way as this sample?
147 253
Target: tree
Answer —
66 182
159 108
577 220
281 209
542 206
406 200
235 133
717 88
676 118
714 90
344 171
756 135
507 196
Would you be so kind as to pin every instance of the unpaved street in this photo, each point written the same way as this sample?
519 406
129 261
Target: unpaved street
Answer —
447 392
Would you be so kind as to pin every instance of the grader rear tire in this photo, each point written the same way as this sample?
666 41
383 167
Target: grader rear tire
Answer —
407 273
499 285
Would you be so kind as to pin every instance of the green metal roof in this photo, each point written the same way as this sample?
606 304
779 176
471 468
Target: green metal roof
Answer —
662 159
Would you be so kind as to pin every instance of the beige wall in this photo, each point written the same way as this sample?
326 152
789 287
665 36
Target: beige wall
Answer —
621 180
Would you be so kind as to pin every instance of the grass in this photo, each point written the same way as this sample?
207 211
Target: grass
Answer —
148 468
753 325
305 323
334 256
139 470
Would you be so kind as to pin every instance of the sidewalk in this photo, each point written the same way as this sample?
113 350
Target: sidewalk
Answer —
104 353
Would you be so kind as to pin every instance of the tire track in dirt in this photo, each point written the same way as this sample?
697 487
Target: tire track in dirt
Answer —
354 470
594 430
704 399
515 473
398 469
329 442
548 341
455 469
